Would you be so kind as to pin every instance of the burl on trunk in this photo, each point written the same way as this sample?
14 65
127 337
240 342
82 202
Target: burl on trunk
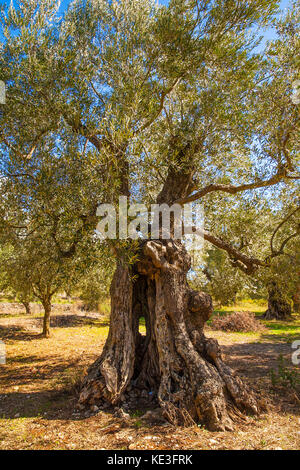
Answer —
174 362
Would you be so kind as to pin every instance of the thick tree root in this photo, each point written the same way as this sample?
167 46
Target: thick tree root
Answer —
174 363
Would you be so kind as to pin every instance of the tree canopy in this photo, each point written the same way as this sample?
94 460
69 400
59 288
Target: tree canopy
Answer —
118 97
164 104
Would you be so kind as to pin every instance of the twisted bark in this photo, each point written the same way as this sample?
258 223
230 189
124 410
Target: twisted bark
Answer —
174 362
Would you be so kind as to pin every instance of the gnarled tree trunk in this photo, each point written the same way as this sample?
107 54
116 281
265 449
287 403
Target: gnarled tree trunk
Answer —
174 362
278 306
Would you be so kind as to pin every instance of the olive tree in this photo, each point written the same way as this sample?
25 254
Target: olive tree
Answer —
162 105
11 283
31 270
269 227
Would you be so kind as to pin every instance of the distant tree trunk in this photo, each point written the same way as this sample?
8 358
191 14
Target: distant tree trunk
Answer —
296 299
27 307
296 305
46 302
174 362
68 295
278 306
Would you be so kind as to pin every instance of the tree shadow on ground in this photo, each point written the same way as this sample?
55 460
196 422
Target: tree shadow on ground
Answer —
68 321
56 380
51 404
256 359
17 333
256 362
52 378
21 360
285 338
23 331
51 371
58 400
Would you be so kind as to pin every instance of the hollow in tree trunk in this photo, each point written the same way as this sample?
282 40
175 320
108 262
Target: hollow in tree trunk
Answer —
174 364
278 306
46 320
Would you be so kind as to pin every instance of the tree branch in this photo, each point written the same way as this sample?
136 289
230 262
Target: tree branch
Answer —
230 189
81 129
247 263
78 236
32 148
163 96
278 227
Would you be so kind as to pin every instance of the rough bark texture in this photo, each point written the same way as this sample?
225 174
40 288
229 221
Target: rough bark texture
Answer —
278 307
174 364
46 320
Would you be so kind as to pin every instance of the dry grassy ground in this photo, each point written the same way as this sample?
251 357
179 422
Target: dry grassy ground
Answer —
37 404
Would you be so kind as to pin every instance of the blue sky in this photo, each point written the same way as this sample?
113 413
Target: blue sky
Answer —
268 34
65 3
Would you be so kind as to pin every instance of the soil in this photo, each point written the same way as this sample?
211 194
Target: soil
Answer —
38 387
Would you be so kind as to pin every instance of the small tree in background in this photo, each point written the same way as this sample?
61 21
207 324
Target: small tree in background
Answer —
224 281
94 286
31 270
274 234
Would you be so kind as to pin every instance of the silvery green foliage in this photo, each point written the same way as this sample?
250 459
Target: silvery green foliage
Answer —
118 90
